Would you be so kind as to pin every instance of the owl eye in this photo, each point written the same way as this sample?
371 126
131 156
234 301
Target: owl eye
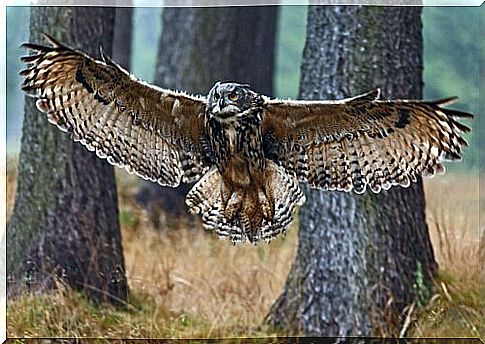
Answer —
216 97
233 96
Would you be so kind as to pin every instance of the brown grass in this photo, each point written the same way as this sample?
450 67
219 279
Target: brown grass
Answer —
187 283
453 220
458 305
190 271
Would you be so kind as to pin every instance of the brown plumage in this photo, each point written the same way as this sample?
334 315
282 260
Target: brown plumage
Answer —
246 151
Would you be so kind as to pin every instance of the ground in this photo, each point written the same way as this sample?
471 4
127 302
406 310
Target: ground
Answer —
187 283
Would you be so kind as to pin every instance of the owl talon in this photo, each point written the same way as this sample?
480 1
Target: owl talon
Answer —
233 206
266 208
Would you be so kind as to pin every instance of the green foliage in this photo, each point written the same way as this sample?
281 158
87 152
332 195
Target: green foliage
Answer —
421 290
127 217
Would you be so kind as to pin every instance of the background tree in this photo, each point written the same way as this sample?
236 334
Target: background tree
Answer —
64 225
199 46
361 259
122 37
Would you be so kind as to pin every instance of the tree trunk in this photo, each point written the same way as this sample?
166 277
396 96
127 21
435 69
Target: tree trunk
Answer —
361 259
122 36
200 46
64 227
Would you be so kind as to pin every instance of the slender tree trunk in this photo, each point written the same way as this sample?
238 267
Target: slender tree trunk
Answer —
361 259
200 46
122 38
64 227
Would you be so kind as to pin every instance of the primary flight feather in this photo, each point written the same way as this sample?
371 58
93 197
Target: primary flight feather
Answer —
246 152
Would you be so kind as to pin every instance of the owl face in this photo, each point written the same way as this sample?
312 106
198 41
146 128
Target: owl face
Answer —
226 100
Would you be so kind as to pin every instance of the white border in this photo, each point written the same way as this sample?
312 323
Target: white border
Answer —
3 173
139 3
219 3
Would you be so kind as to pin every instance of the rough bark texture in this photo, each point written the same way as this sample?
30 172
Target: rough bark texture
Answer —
200 46
64 227
360 259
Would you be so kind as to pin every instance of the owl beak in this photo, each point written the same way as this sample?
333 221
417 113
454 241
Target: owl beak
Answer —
223 110
221 103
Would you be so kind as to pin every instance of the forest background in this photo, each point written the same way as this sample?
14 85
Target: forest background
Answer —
167 290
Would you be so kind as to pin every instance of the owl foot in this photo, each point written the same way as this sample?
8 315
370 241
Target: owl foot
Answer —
233 206
266 206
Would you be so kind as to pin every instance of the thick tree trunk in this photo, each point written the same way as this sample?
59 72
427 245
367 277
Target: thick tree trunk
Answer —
200 46
64 227
360 259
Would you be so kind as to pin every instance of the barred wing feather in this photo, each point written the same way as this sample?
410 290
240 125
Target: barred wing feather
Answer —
153 132
362 142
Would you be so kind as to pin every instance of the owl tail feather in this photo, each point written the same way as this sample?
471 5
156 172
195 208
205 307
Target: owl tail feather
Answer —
251 214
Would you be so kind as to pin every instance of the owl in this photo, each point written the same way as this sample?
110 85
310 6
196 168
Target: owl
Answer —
246 152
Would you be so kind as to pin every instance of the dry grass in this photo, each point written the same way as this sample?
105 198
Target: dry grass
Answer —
191 273
187 283
458 307
453 220
184 282
68 314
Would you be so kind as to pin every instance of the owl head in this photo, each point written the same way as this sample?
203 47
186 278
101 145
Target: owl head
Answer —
226 100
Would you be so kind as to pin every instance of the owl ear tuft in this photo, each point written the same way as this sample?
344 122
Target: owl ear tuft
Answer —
106 58
109 61
55 43
211 90
259 100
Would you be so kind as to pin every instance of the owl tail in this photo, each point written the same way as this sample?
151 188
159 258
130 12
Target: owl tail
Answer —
255 214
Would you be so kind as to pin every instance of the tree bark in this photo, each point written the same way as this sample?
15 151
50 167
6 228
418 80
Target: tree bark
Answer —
64 227
200 46
122 38
361 259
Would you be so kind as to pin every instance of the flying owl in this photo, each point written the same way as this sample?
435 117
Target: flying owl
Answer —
246 152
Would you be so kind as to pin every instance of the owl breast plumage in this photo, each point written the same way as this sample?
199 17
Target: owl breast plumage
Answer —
246 152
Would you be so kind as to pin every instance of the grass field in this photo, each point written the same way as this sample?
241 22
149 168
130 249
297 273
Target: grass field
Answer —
186 283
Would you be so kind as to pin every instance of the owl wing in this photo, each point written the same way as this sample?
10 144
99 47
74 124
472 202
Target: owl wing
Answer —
156 133
362 141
